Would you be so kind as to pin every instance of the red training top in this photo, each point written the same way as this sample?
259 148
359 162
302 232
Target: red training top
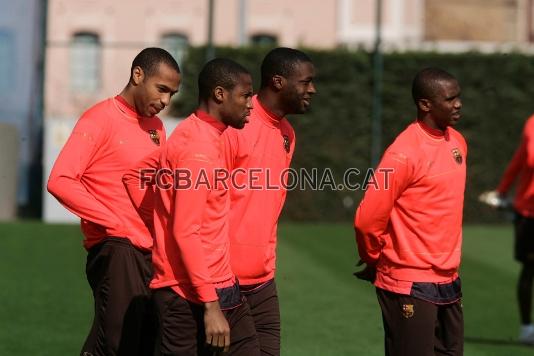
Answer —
86 178
191 249
257 155
409 223
522 167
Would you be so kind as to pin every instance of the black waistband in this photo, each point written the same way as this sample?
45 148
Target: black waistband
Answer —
438 293
115 240
249 288
229 297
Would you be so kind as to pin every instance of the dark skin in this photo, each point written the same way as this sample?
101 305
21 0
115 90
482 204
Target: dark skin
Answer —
440 110
231 107
292 94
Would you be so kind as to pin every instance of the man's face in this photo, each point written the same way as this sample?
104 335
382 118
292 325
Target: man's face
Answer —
238 103
446 105
153 93
299 88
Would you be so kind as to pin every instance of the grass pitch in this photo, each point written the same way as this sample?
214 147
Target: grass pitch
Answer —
46 305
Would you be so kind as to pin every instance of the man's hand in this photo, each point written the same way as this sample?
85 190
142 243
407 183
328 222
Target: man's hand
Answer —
217 328
366 274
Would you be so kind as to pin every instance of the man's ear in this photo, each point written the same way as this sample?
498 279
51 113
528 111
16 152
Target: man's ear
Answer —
218 94
278 81
138 75
424 105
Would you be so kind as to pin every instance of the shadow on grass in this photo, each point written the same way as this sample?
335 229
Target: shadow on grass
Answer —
495 342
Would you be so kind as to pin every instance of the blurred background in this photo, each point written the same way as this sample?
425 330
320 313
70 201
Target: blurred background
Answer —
59 57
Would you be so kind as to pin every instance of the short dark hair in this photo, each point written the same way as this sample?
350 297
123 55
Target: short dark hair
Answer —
425 83
281 61
221 72
150 58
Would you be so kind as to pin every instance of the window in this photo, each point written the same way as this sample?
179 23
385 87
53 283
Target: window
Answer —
176 45
85 63
7 62
264 40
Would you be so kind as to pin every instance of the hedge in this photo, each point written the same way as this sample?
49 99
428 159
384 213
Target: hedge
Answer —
335 134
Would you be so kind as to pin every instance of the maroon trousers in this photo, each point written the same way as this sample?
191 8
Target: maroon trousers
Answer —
264 307
414 327
124 323
181 329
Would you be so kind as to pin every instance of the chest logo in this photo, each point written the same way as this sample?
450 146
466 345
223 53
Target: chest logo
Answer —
457 155
287 145
154 136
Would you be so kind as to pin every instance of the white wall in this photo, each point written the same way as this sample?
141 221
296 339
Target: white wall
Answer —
56 133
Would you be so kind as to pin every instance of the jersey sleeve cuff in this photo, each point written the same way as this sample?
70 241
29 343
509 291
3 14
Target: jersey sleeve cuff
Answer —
206 293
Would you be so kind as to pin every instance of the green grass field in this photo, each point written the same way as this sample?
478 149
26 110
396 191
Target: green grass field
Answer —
45 303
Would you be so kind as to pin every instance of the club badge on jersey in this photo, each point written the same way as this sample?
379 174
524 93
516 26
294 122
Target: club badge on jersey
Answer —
287 145
408 310
154 136
457 155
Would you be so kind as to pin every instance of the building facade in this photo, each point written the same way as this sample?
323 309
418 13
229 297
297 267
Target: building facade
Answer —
90 43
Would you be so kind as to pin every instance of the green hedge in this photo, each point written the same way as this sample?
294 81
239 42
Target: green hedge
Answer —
496 94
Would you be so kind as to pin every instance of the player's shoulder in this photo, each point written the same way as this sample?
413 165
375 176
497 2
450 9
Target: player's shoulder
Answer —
99 111
529 124
407 140
184 131
189 139
406 147
95 120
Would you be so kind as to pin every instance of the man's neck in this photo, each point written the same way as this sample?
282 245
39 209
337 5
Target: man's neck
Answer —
270 102
428 121
211 110
127 95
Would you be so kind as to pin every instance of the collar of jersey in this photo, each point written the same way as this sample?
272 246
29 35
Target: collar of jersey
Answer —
432 132
127 109
207 118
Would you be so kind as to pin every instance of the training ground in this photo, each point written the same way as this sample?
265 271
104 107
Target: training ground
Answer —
46 305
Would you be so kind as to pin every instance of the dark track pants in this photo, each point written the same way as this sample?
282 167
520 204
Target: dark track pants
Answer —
181 328
124 323
414 327
265 310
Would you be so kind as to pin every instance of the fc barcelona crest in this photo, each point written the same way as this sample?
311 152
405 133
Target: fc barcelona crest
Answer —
286 143
457 155
154 136
407 310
